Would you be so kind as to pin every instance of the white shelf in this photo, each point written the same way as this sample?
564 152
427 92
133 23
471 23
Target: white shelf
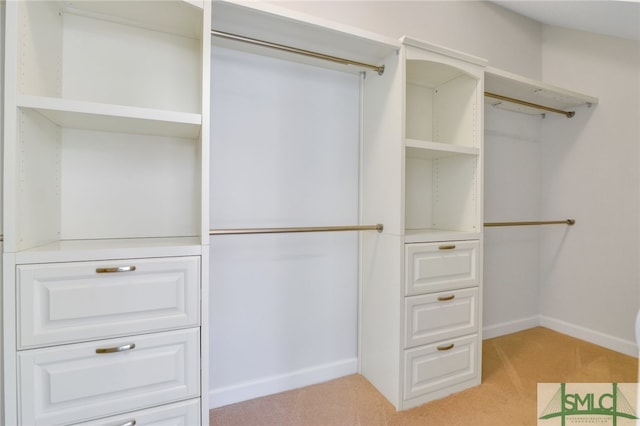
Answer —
428 150
282 26
113 118
86 250
532 91
432 235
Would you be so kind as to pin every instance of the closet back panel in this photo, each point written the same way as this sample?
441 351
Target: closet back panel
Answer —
512 193
105 195
284 152
79 48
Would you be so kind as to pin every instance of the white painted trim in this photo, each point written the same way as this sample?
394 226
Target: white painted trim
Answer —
627 347
274 384
510 327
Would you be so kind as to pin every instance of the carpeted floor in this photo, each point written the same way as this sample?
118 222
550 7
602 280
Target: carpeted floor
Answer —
512 367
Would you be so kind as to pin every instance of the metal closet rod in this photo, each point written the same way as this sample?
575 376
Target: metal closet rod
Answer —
544 222
377 68
568 114
377 227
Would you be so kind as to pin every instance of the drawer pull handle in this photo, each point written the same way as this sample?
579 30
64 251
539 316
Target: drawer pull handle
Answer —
129 423
445 347
447 247
116 349
116 269
445 298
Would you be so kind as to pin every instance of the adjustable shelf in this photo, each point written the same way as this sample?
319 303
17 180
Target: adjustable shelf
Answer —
113 118
430 150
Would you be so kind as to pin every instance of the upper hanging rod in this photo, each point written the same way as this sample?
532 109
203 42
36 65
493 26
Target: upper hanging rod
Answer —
377 227
568 114
547 222
376 68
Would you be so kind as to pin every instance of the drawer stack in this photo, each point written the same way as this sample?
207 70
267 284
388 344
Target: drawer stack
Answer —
441 306
109 342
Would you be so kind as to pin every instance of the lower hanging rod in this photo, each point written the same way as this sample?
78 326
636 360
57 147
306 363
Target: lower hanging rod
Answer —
377 227
547 222
377 68
568 114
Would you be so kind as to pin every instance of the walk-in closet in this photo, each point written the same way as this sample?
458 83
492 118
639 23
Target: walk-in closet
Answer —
208 202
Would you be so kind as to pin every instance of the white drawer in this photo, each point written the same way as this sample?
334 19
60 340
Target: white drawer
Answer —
435 367
71 302
75 383
184 413
434 317
441 266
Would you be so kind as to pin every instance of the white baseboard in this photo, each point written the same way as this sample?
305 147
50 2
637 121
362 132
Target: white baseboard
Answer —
510 327
275 384
627 347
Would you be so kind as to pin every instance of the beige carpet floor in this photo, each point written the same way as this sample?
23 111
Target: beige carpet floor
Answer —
512 367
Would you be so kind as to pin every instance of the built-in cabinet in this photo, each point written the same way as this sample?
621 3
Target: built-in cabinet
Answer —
105 226
422 286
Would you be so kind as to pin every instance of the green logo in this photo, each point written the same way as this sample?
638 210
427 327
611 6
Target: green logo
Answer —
583 405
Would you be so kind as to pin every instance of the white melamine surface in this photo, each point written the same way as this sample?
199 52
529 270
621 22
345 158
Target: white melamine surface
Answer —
105 159
72 383
107 194
430 369
439 316
179 414
108 62
265 22
73 301
514 86
441 266
113 118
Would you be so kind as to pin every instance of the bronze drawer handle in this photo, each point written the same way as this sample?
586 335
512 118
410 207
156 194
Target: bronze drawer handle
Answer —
445 347
114 349
116 269
445 298
447 247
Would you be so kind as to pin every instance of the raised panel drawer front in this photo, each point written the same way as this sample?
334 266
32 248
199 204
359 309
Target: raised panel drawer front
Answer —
184 413
441 266
80 382
439 316
71 302
437 366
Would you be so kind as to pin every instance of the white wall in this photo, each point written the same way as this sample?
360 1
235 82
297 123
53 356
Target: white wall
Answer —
590 277
284 152
512 193
507 40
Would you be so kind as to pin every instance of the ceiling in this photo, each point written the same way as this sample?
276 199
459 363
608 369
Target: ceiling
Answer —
613 17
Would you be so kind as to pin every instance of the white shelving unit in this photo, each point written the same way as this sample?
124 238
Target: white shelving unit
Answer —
422 178
105 180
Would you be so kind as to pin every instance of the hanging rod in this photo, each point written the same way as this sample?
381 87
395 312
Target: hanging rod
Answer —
547 222
229 36
568 114
377 227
